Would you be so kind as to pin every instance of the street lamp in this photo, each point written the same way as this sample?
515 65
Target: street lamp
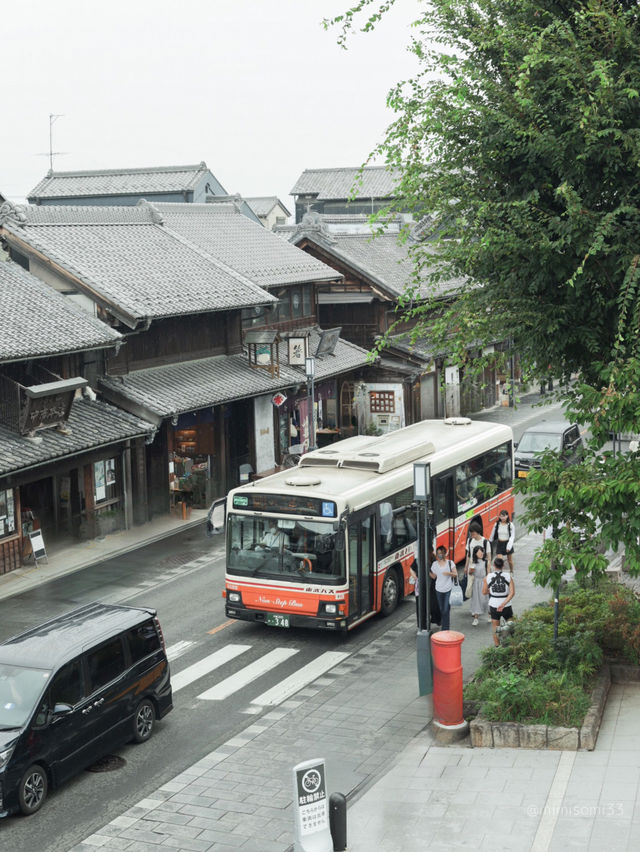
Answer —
310 371
422 498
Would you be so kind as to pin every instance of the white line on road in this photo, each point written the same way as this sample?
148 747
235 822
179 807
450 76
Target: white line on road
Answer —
247 674
208 664
178 649
288 687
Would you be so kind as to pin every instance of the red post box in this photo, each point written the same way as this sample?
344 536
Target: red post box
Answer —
446 647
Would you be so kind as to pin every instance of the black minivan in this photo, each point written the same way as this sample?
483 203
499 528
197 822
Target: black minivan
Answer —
71 690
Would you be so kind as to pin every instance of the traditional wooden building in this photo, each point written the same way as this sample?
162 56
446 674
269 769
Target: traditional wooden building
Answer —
69 463
344 191
185 285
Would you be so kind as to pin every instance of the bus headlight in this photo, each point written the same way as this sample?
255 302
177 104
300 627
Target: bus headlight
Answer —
234 597
328 608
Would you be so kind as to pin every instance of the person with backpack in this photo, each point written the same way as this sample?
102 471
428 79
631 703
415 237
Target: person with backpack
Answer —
504 536
443 571
501 588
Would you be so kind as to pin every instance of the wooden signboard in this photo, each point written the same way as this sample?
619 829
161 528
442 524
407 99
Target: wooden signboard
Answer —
37 545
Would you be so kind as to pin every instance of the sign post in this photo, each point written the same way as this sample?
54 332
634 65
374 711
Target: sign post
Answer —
311 807
37 546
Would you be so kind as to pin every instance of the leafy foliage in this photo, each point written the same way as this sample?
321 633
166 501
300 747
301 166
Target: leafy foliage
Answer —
529 678
518 144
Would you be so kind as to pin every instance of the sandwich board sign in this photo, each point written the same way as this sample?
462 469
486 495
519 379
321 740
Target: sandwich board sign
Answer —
37 545
311 807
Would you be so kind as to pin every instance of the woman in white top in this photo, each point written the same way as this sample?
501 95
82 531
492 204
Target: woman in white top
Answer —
443 571
504 534
476 539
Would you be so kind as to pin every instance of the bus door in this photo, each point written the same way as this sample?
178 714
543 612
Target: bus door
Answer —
445 511
360 533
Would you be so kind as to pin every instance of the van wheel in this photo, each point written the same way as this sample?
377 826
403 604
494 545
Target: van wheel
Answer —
390 592
144 721
33 790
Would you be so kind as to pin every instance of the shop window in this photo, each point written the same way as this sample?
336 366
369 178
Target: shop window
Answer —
295 302
104 480
7 512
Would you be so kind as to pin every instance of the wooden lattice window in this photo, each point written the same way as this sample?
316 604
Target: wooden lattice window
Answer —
382 402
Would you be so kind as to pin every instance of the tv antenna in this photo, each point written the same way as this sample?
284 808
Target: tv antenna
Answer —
53 117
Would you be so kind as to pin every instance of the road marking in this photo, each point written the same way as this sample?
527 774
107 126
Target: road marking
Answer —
178 649
208 664
248 674
300 679
220 627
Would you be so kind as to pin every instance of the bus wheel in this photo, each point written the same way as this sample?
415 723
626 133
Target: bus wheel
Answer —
390 592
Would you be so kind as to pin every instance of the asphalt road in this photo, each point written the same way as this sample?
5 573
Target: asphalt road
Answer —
191 612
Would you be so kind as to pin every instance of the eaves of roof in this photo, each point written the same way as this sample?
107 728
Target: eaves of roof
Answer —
161 392
377 284
92 424
129 307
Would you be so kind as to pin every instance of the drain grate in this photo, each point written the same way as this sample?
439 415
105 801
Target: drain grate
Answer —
108 763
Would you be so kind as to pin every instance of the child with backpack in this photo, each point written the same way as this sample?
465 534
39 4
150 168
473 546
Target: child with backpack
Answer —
504 535
501 588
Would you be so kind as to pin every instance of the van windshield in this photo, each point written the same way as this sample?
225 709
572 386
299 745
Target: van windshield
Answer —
538 442
20 689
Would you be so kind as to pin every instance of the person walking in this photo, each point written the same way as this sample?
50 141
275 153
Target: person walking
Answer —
443 571
479 601
476 539
504 536
501 588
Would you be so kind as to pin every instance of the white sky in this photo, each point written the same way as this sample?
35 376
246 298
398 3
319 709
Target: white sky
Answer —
255 88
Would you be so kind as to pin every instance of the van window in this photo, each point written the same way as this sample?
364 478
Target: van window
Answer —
143 640
105 663
67 686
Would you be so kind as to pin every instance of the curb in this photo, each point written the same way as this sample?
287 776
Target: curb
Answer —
487 734
26 582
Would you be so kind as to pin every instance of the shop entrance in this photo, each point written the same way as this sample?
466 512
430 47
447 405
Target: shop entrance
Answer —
239 423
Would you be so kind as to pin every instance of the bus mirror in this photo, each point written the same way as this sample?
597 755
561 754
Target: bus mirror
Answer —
216 516
340 536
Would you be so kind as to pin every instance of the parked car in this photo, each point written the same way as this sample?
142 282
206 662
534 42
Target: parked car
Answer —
556 435
71 690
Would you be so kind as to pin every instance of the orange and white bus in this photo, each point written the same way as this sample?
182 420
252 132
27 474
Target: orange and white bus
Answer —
328 543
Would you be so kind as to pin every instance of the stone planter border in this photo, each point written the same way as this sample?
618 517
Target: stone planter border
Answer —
487 734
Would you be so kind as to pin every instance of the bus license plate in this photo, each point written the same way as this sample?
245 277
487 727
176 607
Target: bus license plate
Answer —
522 474
277 620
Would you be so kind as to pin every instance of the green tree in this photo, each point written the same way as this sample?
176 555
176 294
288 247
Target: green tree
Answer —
518 141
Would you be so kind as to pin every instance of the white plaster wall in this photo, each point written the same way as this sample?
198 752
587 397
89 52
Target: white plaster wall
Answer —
264 437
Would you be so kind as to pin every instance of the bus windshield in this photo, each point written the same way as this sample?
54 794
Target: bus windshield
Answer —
296 550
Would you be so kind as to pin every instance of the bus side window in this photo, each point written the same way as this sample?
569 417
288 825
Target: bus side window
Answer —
386 527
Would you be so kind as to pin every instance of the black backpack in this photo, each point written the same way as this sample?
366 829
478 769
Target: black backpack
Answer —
499 586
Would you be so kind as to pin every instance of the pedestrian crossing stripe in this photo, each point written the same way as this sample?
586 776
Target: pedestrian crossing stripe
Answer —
248 674
297 681
206 665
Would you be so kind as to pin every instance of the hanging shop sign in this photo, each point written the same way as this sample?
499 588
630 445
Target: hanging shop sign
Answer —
278 399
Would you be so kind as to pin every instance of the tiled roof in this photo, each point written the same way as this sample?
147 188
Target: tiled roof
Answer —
382 259
93 424
139 268
177 388
263 205
36 320
255 252
329 184
118 181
